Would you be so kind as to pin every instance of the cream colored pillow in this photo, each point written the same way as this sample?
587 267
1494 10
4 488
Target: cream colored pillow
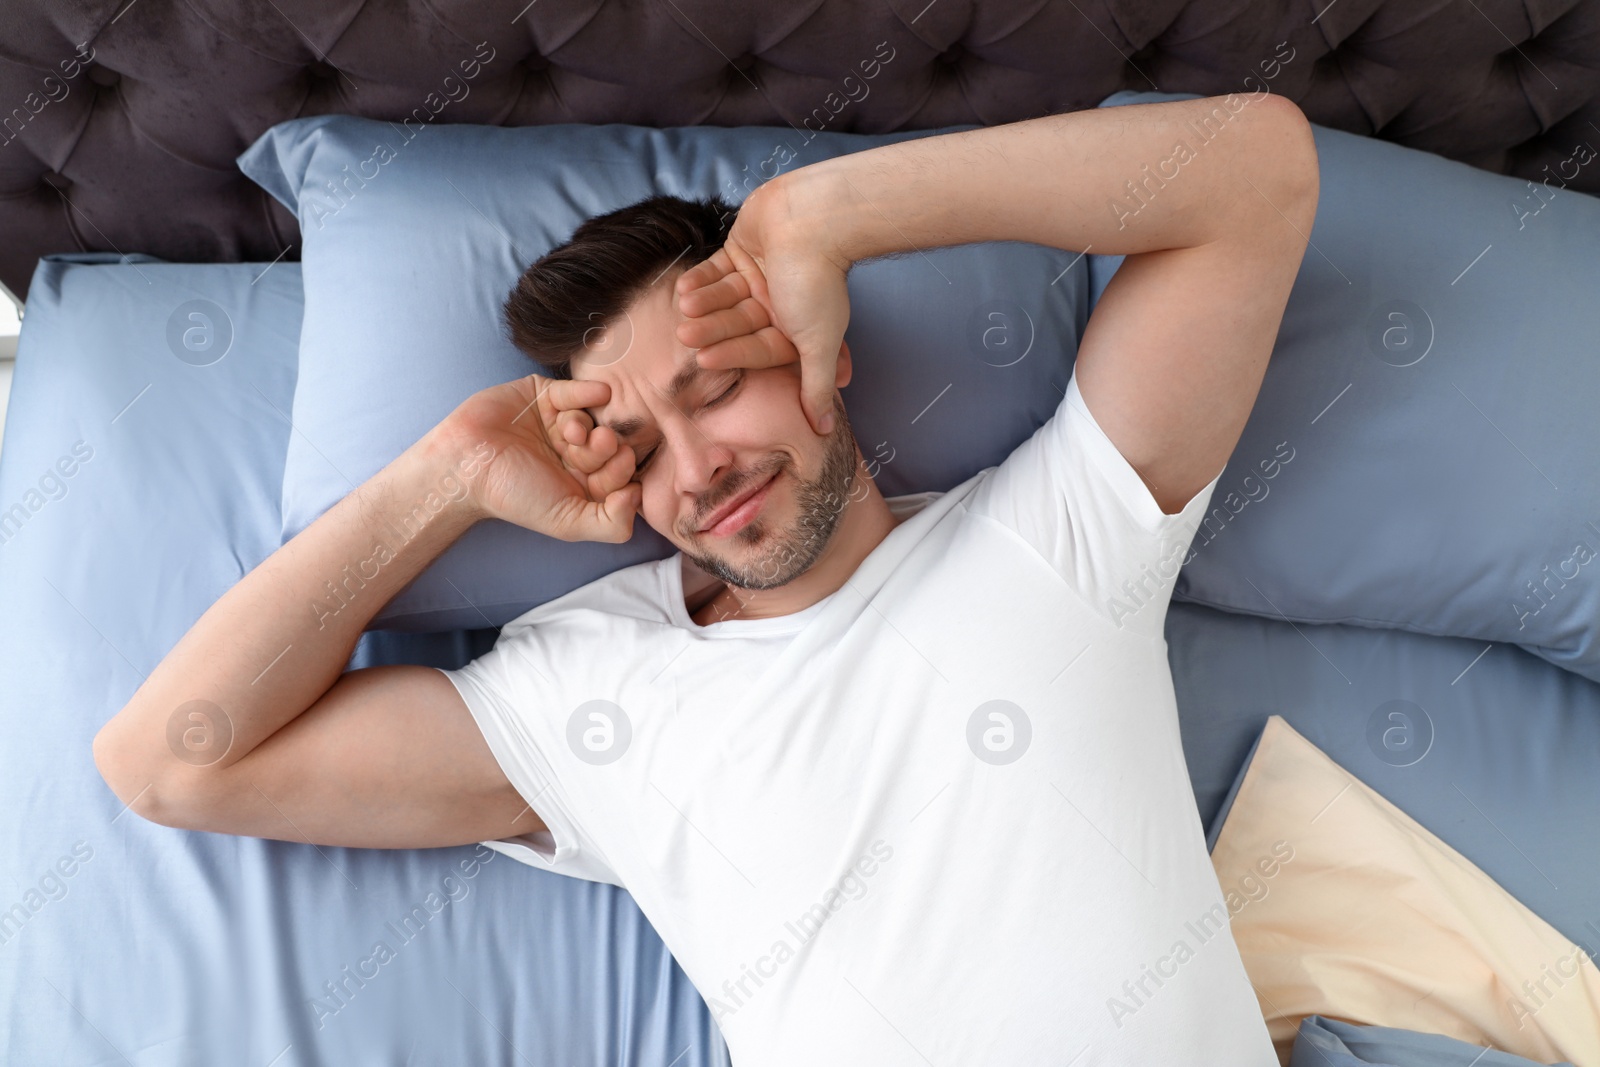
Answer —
1342 905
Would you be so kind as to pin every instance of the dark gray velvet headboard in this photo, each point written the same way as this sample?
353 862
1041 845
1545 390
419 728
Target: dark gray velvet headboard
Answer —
134 149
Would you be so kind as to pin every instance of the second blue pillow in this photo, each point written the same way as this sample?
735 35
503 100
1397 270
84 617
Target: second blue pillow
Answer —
1424 453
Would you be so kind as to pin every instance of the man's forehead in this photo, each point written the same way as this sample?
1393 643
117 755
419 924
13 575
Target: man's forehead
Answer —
687 375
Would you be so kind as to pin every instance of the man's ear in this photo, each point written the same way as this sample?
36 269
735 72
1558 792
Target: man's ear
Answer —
841 374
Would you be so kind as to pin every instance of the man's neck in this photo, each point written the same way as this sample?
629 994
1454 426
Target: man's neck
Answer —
863 525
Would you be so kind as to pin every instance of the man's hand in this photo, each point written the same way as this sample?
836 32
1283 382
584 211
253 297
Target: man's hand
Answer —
553 471
774 293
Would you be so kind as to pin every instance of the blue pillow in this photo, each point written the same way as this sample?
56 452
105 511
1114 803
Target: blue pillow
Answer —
1425 451
79 443
410 247
1325 1042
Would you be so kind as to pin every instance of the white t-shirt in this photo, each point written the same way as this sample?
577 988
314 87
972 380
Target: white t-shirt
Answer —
816 811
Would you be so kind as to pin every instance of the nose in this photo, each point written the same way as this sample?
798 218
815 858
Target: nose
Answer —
699 463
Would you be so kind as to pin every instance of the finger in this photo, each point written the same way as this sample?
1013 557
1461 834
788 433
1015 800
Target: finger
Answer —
597 449
818 369
724 292
611 475
619 509
565 394
705 272
747 316
570 428
572 425
609 520
748 269
767 347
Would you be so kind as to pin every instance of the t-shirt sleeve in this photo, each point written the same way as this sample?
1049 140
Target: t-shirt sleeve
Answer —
1070 494
508 692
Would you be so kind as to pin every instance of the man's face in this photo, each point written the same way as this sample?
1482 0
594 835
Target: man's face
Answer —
706 438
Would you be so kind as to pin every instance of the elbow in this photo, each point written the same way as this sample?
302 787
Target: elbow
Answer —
129 779
110 759
1289 149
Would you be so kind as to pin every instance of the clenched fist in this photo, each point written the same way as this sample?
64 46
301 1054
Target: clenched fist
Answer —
553 471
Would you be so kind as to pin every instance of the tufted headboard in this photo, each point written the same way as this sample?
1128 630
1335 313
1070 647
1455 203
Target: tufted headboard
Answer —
120 119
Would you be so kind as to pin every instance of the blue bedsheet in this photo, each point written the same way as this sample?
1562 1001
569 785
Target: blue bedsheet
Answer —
170 947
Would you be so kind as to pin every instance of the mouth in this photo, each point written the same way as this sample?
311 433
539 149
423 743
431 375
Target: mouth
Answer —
735 514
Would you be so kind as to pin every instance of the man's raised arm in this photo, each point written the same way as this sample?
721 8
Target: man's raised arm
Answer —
1211 200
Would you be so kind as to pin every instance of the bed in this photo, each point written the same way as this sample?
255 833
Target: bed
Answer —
122 210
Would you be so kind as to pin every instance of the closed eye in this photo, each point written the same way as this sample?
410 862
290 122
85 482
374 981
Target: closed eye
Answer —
640 464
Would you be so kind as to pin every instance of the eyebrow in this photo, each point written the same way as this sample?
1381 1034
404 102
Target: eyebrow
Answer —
691 373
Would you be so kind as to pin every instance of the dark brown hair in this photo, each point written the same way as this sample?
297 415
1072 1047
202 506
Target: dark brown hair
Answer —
609 262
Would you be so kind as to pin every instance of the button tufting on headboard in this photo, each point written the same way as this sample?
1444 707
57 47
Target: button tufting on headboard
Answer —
136 126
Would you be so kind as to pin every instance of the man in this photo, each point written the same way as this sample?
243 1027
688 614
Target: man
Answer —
889 777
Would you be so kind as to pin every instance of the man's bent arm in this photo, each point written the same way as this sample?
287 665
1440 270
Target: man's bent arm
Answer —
280 638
